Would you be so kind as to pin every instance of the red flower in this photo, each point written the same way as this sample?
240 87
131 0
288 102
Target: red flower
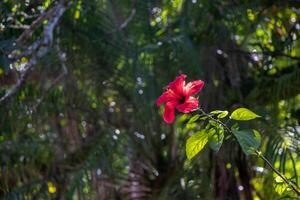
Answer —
178 96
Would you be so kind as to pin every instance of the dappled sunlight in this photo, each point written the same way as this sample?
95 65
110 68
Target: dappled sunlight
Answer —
105 99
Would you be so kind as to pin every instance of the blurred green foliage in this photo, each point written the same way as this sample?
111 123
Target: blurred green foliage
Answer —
88 127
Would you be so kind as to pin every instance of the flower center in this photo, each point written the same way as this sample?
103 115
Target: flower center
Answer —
182 99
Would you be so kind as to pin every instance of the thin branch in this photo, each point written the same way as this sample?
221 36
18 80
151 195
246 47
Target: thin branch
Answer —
39 48
215 120
19 26
278 173
125 23
27 16
289 183
20 81
36 23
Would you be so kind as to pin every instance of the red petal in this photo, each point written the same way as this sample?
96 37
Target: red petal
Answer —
193 87
178 84
190 104
166 96
169 113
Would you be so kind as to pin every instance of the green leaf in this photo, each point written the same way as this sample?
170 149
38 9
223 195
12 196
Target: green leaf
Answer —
249 140
243 114
280 186
215 112
223 114
194 118
235 126
183 118
216 137
203 118
191 126
220 113
214 124
196 143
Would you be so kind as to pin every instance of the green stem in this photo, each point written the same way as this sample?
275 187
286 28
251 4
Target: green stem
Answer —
215 120
289 183
292 186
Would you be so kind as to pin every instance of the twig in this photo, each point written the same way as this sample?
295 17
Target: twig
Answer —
215 120
39 48
259 154
278 173
36 23
19 26
20 81
125 23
